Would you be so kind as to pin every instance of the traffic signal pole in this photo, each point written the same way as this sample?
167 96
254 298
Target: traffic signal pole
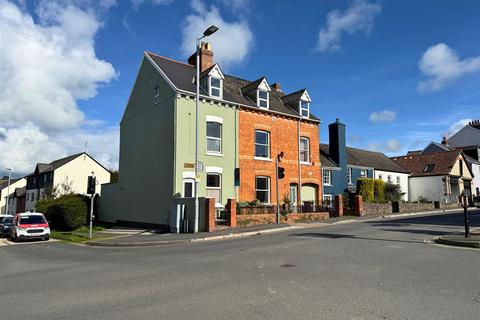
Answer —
276 187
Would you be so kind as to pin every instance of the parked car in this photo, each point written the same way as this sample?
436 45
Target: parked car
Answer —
30 225
5 225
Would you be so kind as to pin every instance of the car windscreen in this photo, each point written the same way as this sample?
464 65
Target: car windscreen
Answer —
7 220
32 220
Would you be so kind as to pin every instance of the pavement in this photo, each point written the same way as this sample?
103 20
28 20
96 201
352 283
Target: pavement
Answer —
138 237
371 269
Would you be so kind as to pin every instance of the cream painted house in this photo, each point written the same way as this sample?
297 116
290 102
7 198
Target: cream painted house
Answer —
438 176
4 190
69 174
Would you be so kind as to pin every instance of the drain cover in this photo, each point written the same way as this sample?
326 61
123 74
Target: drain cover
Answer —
287 265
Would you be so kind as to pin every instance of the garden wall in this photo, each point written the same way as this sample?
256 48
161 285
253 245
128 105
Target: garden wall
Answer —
414 206
377 208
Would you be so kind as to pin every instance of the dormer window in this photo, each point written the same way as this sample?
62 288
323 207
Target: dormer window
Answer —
304 108
215 87
262 99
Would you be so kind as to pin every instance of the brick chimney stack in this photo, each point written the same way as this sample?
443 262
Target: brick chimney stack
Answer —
444 141
276 87
206 56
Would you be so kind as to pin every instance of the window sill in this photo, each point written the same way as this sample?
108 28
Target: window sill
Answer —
327 185
306 163
214 154
262 159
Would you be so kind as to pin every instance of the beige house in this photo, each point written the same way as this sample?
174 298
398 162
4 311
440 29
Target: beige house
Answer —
65 175
4 188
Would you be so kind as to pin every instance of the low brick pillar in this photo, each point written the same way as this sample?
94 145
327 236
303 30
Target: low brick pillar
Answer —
339 205
209 214
358 206
231 213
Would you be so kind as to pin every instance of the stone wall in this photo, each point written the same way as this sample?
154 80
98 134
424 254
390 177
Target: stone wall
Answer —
415 206
377 208
254 219
454 205
305 217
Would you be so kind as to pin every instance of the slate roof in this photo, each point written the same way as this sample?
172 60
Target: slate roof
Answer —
362 158
12 181
416 164
48 167
182 76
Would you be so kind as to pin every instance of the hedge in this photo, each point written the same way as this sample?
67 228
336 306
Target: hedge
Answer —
366 188
66 213
379 190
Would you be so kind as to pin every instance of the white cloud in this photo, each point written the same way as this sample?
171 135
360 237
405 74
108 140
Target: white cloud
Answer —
389 146
442 66
47 64
24 146
357 18
456 126
47 67
384 116
231 44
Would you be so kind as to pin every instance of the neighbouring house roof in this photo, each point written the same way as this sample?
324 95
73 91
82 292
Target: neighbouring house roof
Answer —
182 75
363 158
413 152
52 166
442 162
19 192
325 159
4 184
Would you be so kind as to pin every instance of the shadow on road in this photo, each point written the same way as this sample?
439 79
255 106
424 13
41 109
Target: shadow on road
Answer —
348 236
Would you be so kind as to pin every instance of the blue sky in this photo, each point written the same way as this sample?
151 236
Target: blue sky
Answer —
398 73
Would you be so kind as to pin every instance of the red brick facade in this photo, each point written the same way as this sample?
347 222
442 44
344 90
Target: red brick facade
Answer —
283 137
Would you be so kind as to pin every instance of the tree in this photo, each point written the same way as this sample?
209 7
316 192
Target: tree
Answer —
113 175
393 192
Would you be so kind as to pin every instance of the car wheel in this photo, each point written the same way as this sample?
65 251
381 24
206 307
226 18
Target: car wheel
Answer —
46 238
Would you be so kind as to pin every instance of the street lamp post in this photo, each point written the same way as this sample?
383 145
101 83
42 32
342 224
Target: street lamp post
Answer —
8 188
211 30
465 217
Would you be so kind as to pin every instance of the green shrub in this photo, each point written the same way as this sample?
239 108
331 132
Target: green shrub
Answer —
366 188
392 192
66 213
379 190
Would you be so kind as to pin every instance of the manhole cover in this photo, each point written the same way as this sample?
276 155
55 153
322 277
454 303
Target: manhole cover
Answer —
287 265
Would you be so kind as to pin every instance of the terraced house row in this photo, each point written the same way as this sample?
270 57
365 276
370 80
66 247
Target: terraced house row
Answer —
243 127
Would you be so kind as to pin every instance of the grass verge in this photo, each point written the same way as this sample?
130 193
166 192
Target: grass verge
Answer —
81 234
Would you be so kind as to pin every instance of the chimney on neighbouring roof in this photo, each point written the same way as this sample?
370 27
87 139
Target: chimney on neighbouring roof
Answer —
444 141
276 87
206 56
475 124
337 143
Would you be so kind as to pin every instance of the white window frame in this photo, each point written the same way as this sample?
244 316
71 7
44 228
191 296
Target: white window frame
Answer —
389 178
380 177
156 95
328 197
261 99
301 108
308 150
215 188
220 96
399 180
349 175
329 176
363 173
262 190
293 200
255 143
214 138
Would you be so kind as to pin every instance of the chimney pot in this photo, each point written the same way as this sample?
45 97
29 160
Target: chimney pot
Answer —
444 141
